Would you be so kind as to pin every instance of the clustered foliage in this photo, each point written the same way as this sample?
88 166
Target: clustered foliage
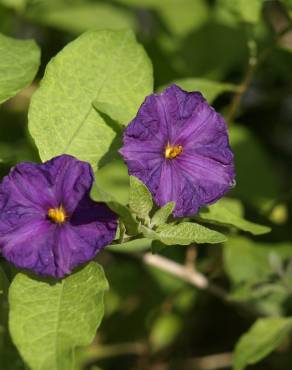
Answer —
179 259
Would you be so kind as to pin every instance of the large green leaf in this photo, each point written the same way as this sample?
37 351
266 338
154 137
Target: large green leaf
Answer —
262 338
220 214
49 320
81 17
108 67
19 62
210 89
140 200
186 233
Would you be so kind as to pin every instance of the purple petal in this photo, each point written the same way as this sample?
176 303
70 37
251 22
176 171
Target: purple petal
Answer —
30 246
30 239
199 175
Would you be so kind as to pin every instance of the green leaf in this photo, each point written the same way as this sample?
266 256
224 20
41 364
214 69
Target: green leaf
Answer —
137 245
114 178
257 182
250 10
245 10
125 214
99 66
78 18
19 62
160 217
18 5
164 330
245 260
209 89
262 338
49 320
140 198
180 17
218 213
186 233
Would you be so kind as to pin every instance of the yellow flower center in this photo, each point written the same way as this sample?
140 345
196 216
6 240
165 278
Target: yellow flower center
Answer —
57 215
172 151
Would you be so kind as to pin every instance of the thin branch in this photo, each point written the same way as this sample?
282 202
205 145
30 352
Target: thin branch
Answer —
210 362
191 256
193 277
253 63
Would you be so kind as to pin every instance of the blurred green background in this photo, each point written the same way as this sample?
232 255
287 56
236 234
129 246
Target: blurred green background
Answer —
239 54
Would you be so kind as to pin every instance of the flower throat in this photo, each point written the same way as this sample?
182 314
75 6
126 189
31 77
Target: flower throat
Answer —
172 151
57 215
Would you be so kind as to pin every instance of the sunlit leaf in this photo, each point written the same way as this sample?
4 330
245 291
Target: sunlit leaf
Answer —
140 198
220 214
48 320
103 66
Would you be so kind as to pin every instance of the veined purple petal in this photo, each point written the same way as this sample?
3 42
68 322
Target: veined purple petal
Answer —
201 169
32 236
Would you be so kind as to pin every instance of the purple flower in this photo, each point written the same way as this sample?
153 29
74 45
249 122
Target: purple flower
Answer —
48 223
178 146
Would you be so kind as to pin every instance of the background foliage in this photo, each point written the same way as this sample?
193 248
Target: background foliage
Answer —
225 304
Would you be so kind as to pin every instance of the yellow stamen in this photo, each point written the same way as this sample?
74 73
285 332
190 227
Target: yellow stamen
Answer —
172 151
57 215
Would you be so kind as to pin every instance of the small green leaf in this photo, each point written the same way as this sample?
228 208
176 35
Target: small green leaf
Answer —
148 233
49 320
140 199
250 10
262 338
99 66
137 245
186 233
160 217
209 89
164 330
245 260
19 62
125 214
245 10
219 214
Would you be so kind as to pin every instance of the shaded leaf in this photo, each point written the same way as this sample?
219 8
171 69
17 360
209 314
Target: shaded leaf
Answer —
125 214
246 260
261 339
19 62
257 181
209 89
78 18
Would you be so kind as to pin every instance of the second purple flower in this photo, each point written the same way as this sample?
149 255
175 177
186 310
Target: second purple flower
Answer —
178 146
